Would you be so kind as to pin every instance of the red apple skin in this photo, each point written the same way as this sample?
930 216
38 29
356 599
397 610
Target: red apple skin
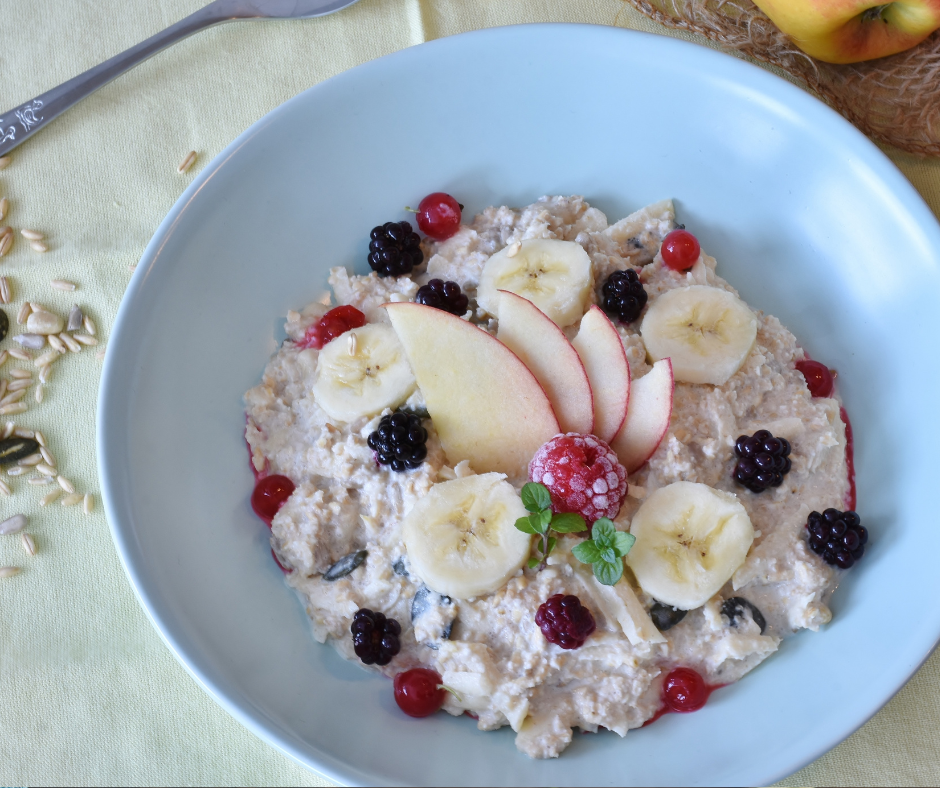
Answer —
849 31
648 417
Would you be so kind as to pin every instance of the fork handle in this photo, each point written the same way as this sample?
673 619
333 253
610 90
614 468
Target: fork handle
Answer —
21 122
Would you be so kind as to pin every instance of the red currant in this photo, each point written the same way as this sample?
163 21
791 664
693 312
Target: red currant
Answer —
335 322
439 216
418 692
270 494
680 250
685 690
818 377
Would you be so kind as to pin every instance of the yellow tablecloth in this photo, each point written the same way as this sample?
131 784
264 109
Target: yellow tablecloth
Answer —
88 692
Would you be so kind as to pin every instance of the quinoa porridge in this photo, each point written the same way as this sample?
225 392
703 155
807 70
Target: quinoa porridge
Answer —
355 533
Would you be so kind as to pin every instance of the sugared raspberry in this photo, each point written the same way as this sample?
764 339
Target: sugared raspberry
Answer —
565 621
582 474
337 321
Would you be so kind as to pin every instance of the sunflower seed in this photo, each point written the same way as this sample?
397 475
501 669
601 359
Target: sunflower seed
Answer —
5 488
71 499
70 343
9 410
23 313
65 484
40 394
6 241
75 318
6 293
85 339
39 246
57 343
46 470
90 326
20 373
15 449
5 162
4 208
15 396
32 235
514 249
13 525
89 503
32 459
47 455
9 571
29 544
40 479
63 284
22 355
50 497
16 470
186 163
22 383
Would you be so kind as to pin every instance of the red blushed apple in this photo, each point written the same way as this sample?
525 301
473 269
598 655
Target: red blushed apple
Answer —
601 351
647 417
545 350
847 31
487 407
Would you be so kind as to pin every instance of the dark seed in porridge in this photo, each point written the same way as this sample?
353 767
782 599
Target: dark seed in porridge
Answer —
624 295
735 607
764 460
394 249
375 637
443 295
399 442
345 565
666 617
838 537
565 621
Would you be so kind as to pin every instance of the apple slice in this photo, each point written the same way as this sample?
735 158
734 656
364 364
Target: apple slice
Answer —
486 405
543 347
601 351
647 417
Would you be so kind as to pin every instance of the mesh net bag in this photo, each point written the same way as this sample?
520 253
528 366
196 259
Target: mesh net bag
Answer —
894 100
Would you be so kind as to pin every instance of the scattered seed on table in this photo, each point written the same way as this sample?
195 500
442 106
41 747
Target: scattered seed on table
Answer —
47 455
6 241
50 497
132 268
100 355
29 544
4 208
32 235
85 339
70 343
71 499
40 394
22 432
76 318
15 396
90 326
6 293
9 571
16 470
5 488
31 341
40 439
63 284
46 470
13 525
65 484
47 358
89 503
57 343
38 246
5 162
22 383
24 313
32 459
44 373
40 480
22 355
8 430
20 373
186 163
9 410
3 387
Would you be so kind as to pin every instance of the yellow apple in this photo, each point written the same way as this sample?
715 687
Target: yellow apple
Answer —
847 31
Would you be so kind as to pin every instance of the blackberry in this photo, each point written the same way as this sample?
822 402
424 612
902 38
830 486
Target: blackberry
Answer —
399 441
375 637
839 537
443 295
624 296
764 460
565 621
395 249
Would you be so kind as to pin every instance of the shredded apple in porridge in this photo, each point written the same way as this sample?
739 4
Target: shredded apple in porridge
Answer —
549 471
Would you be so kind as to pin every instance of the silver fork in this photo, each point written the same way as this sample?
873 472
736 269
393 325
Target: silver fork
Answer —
21 122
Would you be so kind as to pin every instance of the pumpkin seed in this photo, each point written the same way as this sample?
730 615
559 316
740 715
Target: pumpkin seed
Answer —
345 565
31 341
76 318
13 525
13 449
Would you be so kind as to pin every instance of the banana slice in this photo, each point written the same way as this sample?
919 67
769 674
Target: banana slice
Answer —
362 372
707 332
461 538
554 275
690 539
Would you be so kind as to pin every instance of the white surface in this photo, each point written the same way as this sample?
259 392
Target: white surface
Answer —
807 219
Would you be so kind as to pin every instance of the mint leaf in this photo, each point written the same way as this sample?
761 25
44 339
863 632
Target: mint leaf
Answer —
586 552
622 543
525 526
608 556
532 563
535 497
603 532
546 517
607 572
538 523
568 523
552 541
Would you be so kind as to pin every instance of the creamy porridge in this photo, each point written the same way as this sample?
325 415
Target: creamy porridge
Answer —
356 534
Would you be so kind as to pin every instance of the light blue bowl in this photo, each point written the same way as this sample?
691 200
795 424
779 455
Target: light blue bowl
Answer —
807 219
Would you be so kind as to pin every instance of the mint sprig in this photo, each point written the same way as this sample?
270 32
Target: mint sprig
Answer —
605 551
537 500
